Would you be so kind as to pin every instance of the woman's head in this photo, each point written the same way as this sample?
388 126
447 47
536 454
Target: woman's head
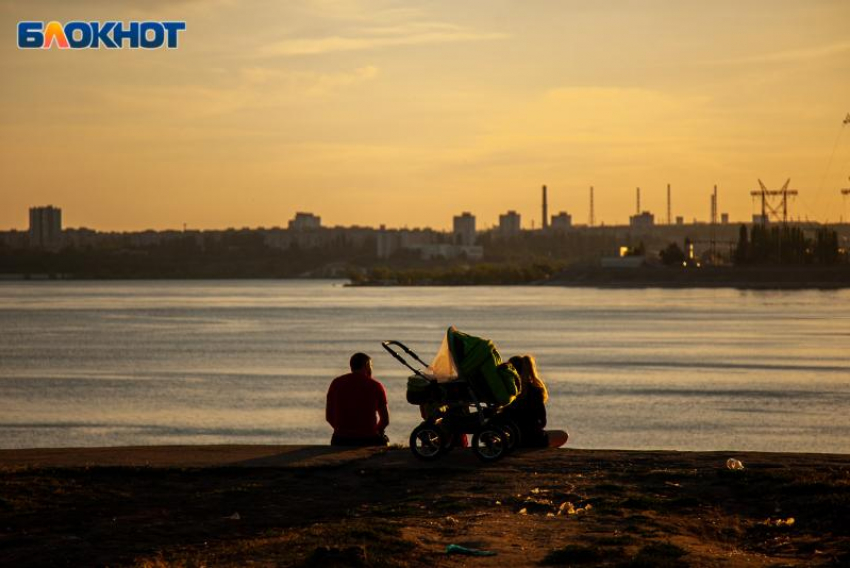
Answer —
516 362
527 369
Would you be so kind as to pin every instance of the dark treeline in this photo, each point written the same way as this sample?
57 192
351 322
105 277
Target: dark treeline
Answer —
786 245
523 258
570 247
234 255
482 273
519 259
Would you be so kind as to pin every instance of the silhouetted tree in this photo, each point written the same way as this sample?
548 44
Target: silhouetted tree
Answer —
742 251
786 245
826 247
672 255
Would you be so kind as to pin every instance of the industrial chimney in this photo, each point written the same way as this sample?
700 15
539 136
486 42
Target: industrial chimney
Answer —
545 210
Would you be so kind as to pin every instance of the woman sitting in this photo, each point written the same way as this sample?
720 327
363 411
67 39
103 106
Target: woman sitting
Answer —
528 411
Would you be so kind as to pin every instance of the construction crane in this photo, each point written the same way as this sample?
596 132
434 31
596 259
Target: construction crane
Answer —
774 202
845 191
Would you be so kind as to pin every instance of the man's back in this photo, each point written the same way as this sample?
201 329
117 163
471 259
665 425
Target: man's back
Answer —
354 406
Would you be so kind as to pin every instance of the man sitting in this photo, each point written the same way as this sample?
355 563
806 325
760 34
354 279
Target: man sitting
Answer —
357 406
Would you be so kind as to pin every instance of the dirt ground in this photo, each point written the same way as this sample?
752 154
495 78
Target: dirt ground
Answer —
318 506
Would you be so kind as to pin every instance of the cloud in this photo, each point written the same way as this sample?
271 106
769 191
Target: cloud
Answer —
256 88
789 56
362 11
330 82
306 83
587 127
115 9
420 33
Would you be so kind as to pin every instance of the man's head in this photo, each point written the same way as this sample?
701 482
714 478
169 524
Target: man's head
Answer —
361 363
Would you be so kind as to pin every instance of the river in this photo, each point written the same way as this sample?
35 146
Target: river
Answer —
208 362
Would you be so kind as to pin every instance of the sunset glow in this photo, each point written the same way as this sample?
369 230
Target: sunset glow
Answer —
406 113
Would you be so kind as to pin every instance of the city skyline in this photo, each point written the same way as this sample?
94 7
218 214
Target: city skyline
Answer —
509 223
381 112
528 220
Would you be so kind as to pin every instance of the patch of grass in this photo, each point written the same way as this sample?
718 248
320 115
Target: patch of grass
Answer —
573 554
401 510
640 525
375 533
619 540
381 542
658 555
350 543
327 556
610 488
640 502
455 505
685 503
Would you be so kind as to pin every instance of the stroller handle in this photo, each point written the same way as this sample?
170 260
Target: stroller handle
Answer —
388 345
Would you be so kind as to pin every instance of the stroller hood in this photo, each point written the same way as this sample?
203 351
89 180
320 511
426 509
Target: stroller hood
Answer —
478 361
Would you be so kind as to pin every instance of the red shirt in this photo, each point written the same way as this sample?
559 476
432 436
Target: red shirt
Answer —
353 405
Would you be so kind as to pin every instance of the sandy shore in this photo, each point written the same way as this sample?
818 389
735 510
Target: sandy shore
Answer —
316 506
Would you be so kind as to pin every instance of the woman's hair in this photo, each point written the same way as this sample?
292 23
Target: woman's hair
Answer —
516 363
527 369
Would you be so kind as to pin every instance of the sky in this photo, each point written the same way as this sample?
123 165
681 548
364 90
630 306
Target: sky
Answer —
403 113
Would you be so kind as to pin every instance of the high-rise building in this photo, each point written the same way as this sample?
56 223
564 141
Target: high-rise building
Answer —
509 224
305 221
464 229
643 220
45 227
562 221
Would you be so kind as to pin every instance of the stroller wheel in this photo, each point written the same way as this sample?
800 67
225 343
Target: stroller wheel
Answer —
490 443
512 432
427 442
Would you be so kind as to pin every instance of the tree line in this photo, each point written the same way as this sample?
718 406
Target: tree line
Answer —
786 245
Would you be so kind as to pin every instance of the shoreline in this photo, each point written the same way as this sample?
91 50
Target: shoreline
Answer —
323 506
806 277
740 278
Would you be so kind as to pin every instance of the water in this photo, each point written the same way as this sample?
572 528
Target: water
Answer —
121 363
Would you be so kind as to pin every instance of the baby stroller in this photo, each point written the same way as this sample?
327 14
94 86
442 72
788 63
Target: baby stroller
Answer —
465 390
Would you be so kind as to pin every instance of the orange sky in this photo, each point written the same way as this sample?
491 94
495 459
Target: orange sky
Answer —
406 113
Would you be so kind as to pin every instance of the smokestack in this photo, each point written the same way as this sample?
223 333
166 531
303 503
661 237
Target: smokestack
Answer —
669 212
592 220
638 202
714 206
545 210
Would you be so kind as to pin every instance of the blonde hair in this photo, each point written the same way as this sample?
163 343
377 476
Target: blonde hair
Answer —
527 369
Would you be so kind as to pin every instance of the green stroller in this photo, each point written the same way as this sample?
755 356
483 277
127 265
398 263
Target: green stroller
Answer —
465 390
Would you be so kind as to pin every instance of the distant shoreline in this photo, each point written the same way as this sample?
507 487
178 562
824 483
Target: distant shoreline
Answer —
811 277
744 278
